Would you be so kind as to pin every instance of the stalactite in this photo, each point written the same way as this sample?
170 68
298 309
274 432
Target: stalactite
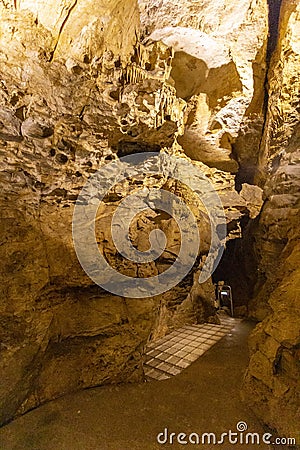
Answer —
138 50
137 71
165 101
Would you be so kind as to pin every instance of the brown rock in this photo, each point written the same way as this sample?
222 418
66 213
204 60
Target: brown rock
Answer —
277 242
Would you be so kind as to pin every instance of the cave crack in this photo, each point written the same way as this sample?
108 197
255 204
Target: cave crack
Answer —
72 7
273 36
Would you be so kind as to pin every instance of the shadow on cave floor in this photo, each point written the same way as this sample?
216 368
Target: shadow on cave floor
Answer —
203 398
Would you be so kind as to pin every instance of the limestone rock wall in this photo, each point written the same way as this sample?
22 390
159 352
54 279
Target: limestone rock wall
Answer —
226 126
272 380
58 331
224 82
83 30
80 89
77 91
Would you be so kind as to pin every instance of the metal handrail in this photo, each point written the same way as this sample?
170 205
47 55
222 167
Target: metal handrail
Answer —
226 288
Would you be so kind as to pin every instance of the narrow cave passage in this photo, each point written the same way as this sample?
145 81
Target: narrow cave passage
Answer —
231 270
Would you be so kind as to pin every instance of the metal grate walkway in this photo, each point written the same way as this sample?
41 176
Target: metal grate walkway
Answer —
176 351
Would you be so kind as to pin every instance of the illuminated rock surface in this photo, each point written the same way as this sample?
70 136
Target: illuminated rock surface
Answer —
272 380
84 83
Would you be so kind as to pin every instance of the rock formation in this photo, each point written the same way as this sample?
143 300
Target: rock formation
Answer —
83 85
225 121
272 380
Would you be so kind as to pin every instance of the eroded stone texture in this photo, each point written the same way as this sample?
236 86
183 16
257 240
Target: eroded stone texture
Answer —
83 30
58 331
78 91
272 380
225 121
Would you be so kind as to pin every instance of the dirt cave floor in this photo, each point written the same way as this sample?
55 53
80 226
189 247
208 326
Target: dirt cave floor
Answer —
204 398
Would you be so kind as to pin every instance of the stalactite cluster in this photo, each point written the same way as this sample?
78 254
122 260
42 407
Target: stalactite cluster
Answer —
151 62
167 106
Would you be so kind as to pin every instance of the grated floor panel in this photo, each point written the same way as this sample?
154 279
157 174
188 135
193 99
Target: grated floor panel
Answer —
176 351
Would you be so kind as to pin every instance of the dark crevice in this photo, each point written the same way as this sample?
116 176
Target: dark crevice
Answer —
274 26
125 148
274 18
249 173
245 174
231 270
